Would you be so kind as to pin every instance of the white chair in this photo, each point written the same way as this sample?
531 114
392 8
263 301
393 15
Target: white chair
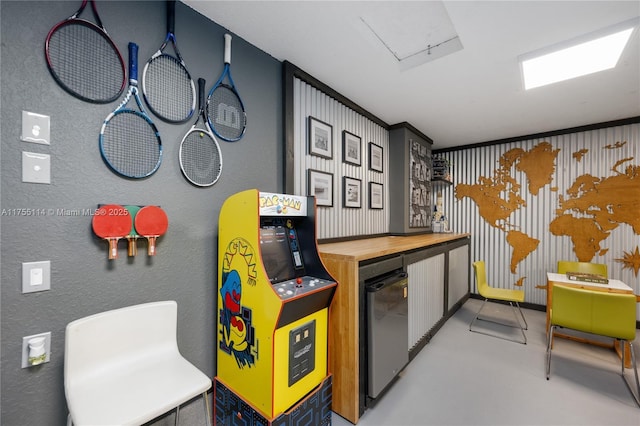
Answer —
123 367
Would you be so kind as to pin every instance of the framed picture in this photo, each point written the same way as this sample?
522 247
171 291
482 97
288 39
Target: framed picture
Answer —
352 192
351 148
375 157
376 200
320 138
320 184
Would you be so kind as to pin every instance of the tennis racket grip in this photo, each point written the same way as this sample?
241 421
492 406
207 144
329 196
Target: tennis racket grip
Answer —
201 84
227 48
171 16
133 63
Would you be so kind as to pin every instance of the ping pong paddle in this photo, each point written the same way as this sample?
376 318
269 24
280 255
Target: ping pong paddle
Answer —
132 238
111 222
151 222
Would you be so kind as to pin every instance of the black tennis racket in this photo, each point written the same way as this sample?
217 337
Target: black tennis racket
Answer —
166 84
84 60
225 110
129 141
200 156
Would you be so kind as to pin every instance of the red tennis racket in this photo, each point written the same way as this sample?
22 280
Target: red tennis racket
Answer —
151 222
112 222
84 60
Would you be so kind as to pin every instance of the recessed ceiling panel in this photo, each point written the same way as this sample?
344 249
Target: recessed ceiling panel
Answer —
414 38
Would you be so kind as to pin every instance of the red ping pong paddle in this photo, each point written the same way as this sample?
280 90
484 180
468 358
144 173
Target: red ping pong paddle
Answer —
151 222
112 222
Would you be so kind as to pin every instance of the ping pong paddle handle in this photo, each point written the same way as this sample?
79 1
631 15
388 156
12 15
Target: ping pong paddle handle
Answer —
113 248
151 247
133 246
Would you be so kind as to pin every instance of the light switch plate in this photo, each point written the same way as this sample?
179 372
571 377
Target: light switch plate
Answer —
36 276
36 167
35 128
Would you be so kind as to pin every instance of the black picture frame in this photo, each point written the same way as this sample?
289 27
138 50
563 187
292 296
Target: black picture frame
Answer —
352 192
376 157
376 195
320 185
320 138
351 148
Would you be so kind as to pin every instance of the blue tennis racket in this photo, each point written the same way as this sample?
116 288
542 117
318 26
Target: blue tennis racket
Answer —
129 140
166 84
225 110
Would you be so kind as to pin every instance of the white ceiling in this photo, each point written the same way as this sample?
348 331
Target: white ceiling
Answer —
469 96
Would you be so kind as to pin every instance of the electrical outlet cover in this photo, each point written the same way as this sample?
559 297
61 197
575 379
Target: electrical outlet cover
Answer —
36 167
25 348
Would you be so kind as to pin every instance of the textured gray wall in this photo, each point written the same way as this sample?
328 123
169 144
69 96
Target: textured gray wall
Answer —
83 281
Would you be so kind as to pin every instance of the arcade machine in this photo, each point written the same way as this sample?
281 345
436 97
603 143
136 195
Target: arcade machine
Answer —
273 310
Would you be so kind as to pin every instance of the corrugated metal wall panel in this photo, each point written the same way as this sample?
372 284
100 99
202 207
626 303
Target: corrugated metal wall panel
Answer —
338 221
426 296
490 244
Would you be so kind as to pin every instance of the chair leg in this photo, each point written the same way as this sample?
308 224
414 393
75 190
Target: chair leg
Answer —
477 317
526 326
636 393
477 314
207 412
515 314
549 343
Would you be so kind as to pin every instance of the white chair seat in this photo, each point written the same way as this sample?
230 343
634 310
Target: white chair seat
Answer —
123 367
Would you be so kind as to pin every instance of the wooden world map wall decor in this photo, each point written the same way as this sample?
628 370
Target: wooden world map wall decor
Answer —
592 208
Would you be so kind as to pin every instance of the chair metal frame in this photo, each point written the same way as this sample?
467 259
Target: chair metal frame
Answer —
498 294
605 314
124 367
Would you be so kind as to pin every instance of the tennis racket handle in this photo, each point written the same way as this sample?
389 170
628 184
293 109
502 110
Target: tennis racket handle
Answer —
171 16
151 247
227 48
133 63
113 248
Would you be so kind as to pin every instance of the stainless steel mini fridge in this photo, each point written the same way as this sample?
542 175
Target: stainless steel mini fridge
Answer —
388 329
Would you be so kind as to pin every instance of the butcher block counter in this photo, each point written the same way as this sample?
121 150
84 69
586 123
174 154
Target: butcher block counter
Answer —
344 260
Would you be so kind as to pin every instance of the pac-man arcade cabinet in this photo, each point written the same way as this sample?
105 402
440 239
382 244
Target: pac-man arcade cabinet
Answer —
273 309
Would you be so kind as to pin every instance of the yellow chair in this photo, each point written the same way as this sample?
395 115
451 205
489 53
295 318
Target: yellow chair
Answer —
596 312
565 266
502 294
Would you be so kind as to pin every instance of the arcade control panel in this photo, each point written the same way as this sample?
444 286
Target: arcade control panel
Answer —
299 286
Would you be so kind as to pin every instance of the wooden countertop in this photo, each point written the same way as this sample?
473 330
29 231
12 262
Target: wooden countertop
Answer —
370 248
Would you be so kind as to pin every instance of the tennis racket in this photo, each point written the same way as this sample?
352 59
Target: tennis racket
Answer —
129 141
166 84
225 110
84 60
111 222
151 222
200 156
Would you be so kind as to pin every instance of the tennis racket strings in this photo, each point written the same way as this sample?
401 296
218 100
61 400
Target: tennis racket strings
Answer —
227 113
168 88
85 63
201 161
130 145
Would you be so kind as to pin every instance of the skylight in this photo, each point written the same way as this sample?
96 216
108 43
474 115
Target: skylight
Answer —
589 54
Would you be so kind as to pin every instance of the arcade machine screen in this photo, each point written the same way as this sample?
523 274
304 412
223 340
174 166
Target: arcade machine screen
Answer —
280 252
